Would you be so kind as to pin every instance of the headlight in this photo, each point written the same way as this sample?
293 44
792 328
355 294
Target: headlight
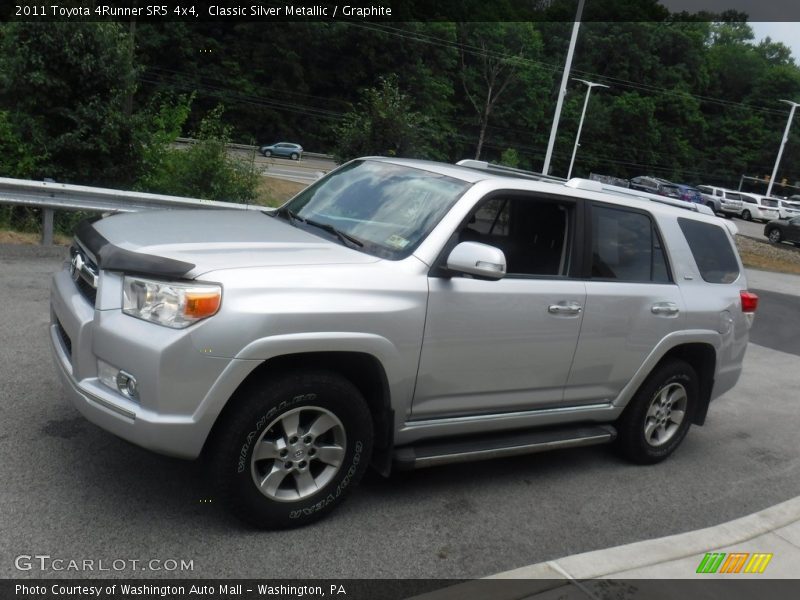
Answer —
175 305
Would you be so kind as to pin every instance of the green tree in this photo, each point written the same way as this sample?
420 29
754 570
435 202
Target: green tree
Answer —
65 85
495 59
205 169
382 123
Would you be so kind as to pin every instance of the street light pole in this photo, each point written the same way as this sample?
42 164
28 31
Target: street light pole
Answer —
562 90
589 86
783 143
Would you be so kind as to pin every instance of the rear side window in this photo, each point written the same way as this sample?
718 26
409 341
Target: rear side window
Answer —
712 251
626 247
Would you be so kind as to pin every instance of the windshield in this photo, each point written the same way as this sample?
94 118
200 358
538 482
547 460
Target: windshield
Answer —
387 208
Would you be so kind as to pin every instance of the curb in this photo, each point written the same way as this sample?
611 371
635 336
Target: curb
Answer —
650 553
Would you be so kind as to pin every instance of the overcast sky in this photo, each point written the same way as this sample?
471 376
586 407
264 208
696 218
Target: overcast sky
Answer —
787 32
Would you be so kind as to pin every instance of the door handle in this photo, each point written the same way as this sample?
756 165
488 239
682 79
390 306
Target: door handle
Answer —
667 309
565 309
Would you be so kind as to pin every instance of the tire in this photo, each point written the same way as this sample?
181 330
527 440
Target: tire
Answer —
295 156
712 207
640 438
774 236
746 215
797 244
268 438
267 153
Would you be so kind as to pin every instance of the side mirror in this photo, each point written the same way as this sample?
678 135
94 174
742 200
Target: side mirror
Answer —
480 260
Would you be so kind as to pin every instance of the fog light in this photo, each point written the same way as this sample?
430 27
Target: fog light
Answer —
118 380
126 384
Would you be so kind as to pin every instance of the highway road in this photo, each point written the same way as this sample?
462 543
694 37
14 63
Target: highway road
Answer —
72 491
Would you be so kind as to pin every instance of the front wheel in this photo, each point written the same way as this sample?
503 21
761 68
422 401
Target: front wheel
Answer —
774 236
289 451
267 153
659 414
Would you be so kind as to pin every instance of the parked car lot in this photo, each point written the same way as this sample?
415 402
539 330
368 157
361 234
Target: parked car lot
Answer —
788 209
759 208
282 149
781 230
723 201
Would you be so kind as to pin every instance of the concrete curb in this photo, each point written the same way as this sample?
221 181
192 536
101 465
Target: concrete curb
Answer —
650 553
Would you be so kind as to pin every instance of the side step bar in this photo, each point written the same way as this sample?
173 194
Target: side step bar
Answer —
527 442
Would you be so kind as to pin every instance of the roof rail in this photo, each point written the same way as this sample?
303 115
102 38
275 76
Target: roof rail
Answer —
598 186
482 165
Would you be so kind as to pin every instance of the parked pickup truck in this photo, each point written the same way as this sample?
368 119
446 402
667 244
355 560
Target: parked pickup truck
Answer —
400 314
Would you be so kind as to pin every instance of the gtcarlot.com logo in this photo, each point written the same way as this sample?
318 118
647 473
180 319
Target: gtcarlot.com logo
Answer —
45 562
734 562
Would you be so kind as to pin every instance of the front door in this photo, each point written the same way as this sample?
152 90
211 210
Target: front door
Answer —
506 345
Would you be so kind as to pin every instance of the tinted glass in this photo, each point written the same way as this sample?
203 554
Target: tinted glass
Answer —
626 247
533 233
712 251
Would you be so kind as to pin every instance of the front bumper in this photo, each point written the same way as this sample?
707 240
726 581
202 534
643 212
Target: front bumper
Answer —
177 405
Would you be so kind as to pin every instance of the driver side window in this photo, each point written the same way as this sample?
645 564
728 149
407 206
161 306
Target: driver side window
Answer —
535 234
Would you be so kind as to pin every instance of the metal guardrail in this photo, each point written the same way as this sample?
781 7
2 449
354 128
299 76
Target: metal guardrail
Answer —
61 196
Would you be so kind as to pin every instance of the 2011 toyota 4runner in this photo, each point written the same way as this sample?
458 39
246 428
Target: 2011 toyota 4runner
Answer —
401 314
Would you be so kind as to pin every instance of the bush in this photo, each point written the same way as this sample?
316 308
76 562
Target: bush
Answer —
204 170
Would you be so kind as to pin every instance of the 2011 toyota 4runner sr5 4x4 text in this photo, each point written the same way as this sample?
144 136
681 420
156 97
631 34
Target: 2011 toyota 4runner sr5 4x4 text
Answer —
399 314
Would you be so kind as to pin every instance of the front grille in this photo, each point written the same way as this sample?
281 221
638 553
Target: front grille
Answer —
64 337
84 273
86 290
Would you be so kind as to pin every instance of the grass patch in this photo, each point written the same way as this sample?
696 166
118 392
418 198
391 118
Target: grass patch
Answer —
274 192
779 258
8 236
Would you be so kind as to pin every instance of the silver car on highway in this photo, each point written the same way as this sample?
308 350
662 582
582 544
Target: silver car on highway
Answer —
399 314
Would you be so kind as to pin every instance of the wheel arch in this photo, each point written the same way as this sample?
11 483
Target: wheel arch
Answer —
702 358
699 348
362 369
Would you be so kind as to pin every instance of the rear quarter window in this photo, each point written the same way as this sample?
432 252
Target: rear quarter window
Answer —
712 251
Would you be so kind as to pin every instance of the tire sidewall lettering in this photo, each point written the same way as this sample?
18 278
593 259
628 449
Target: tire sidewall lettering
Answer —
340 487
268 417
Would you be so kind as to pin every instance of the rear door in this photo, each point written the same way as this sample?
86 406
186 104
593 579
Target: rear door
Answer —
631 302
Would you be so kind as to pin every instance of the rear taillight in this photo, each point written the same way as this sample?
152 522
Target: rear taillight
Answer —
749 301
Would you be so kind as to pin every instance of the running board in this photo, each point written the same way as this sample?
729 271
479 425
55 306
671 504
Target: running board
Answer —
496 446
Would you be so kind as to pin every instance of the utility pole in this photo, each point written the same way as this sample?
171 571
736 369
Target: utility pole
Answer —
783 143
562 90
589 86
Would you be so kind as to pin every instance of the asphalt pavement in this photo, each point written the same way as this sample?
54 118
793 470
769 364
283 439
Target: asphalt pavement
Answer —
72 491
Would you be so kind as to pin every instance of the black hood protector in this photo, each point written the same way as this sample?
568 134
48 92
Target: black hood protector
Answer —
114 258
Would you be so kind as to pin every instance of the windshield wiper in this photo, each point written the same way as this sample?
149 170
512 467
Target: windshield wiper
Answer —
287 214
343 237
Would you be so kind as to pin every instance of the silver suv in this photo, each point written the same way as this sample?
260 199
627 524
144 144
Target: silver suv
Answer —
399 314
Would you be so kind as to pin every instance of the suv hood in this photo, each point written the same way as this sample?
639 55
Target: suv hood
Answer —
188 243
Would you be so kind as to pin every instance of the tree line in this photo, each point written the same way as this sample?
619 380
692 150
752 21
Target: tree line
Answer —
691 97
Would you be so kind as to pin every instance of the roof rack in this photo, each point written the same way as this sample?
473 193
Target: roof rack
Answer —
599 186
582 184
482 165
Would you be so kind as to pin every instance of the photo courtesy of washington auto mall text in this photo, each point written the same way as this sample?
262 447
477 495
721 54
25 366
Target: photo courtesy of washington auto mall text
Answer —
199 589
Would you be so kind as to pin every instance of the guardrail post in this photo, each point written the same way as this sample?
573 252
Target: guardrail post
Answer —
47 227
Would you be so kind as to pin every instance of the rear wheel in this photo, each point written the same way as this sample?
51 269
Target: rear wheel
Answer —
659 415
746 215
291 450
295 156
